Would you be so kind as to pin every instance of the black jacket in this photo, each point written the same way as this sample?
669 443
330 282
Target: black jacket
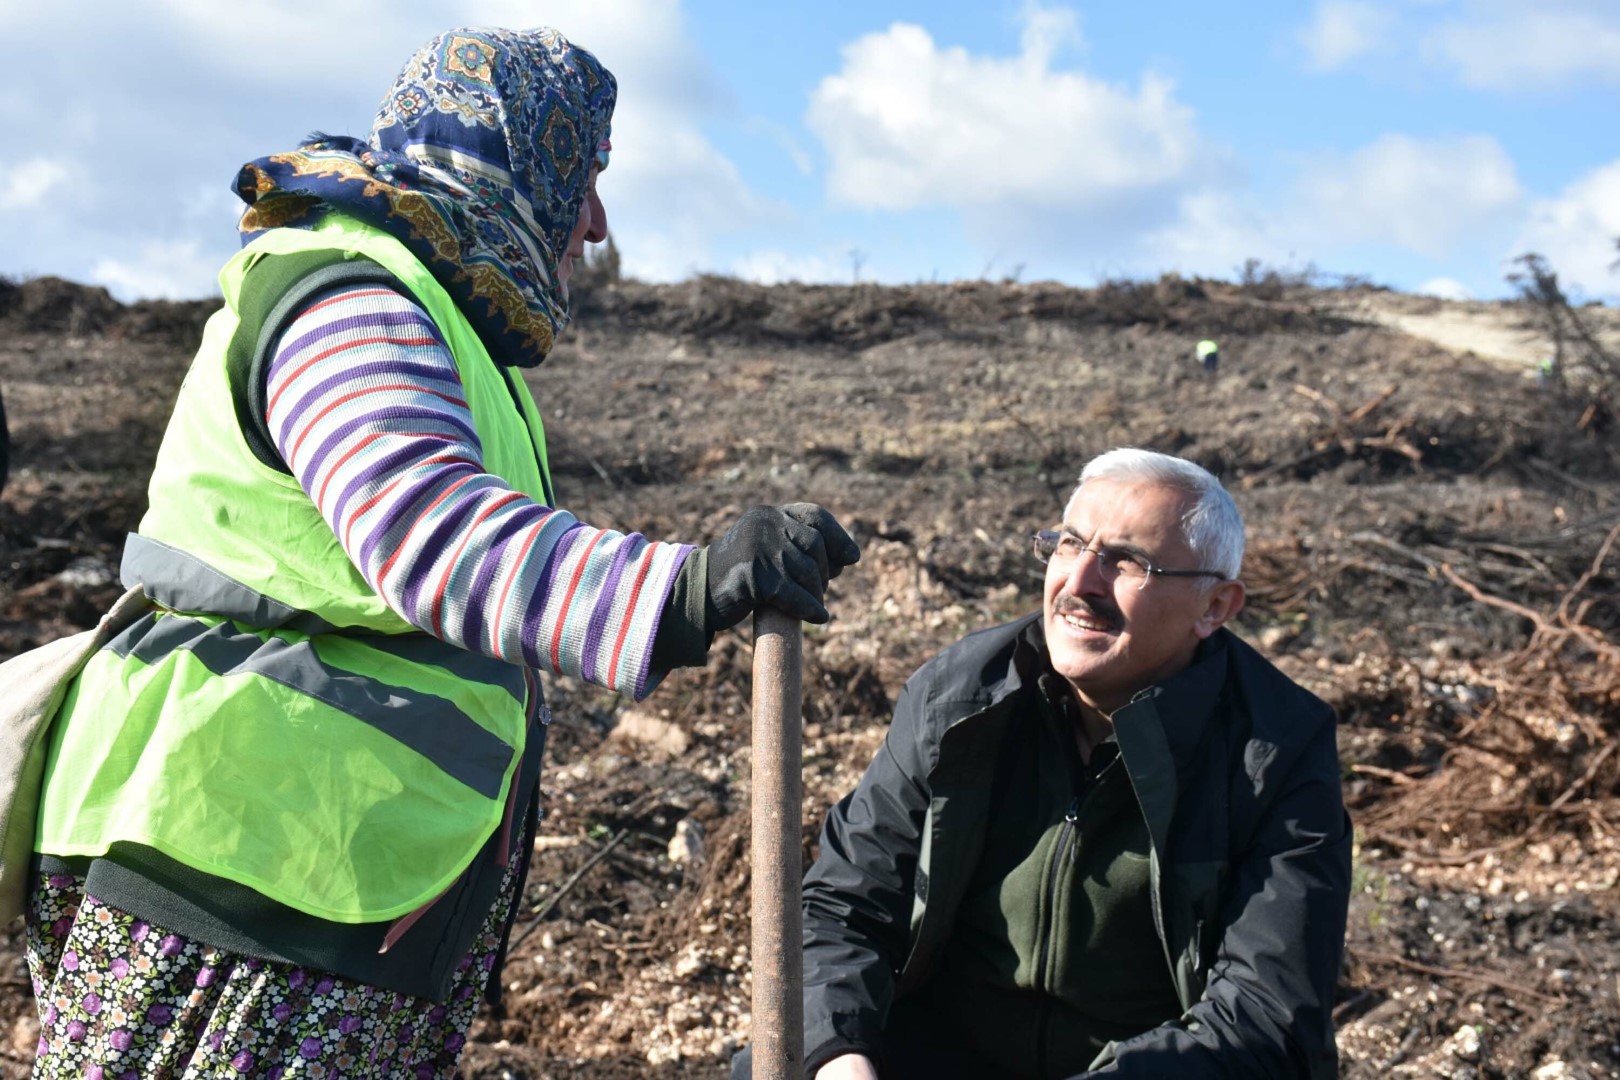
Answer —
1236 772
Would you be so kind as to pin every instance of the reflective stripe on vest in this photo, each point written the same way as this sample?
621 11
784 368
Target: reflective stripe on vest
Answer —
182 582
179 580
431 726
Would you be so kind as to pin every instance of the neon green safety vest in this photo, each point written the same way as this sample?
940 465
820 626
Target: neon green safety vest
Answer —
276 723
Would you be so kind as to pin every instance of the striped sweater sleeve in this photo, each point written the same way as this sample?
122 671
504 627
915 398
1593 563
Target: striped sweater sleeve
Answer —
367 409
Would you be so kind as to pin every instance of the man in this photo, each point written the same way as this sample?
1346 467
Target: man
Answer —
1105 840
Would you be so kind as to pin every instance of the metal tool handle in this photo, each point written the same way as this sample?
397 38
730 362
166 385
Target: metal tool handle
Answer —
777 867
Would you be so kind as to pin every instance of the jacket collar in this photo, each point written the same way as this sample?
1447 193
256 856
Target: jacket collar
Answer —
1185 702
986 673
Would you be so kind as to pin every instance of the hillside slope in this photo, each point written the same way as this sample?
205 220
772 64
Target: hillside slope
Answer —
1431 549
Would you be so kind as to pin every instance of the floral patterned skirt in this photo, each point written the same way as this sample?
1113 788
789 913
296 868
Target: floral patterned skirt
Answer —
121 999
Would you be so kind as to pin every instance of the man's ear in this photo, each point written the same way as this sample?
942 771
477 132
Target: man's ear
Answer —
1224 601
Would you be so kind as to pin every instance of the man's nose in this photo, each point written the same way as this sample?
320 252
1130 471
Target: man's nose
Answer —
1085 574
598 229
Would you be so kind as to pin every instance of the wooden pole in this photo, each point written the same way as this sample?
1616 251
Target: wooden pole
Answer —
777 947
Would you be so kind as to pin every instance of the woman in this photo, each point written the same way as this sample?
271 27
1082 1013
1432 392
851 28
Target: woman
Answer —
286 814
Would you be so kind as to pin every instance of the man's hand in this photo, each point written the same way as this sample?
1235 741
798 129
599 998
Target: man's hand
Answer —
851 1066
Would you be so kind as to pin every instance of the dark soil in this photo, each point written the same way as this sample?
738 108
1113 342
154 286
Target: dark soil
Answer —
1426 552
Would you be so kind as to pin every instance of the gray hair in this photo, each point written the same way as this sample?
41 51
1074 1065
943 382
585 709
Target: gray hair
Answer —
1212 525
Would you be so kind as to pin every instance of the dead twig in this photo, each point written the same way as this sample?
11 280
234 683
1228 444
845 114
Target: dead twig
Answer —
1591 771
1481 596
1341 431
1410 577
1350 1005
1452 973
1365 537
1365 410
563 890
1401 1051
1602 495
1410 853
1317 396
1336 433
600 470
1384 774
1591 572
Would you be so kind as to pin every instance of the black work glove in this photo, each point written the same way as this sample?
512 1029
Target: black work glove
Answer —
780 557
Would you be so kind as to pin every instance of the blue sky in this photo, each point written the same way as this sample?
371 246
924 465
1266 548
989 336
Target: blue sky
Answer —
1418 143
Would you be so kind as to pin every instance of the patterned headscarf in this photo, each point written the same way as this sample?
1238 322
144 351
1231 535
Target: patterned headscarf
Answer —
477 162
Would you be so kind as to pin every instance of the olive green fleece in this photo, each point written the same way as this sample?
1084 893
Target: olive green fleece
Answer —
1045 964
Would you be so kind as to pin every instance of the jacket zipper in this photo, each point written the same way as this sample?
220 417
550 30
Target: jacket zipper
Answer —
1048 928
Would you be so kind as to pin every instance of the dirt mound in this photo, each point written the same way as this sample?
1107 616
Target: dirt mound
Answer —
860 316
50 305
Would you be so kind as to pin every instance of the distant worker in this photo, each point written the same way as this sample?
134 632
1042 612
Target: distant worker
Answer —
1546 374
1209 354
5 445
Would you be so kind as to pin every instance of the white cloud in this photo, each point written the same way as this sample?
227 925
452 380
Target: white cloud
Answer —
1047 30
274 37
1511 45
676 194
256 81
1423 195
174 270
1342 30
910 124
774 267
1214 232
1501 45
27 183
783 137
1400 200
1576 232
265 42
1445 288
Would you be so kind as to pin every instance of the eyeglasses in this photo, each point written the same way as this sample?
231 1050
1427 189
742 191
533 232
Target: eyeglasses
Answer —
1064 548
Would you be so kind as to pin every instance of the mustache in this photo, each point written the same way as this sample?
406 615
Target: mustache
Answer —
1078 606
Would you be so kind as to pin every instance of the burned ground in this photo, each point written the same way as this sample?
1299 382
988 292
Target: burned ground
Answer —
1430 551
